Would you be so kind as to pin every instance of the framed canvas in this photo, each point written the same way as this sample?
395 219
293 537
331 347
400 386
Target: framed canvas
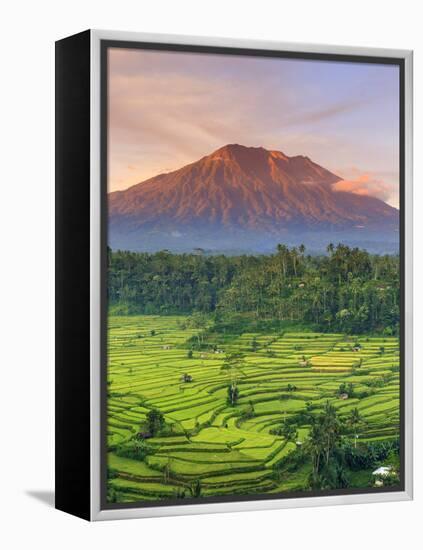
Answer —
233 275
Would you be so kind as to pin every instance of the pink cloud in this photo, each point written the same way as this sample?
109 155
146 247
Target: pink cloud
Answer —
364 184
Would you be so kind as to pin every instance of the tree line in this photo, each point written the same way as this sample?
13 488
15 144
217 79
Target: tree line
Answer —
346 290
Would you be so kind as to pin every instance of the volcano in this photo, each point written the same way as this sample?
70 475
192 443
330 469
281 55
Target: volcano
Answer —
247 199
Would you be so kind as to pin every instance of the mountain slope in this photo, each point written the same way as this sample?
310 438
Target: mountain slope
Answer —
242 193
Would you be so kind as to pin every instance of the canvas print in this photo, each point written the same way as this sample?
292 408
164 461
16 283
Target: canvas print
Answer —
253 276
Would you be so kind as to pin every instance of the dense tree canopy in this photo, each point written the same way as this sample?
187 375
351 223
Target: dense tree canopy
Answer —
347 290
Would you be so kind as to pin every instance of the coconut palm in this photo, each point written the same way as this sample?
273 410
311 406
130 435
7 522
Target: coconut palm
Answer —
354 421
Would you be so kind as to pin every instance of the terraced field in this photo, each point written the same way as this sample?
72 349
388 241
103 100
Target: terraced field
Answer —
230 450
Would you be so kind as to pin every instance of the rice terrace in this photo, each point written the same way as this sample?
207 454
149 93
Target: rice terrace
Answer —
230 402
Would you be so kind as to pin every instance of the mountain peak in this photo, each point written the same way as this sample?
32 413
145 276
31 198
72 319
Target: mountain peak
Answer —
235 149
244 190
256 161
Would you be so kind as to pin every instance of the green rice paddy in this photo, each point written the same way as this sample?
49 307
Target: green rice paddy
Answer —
228 451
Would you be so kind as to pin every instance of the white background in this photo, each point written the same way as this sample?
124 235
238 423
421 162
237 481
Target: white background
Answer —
28 32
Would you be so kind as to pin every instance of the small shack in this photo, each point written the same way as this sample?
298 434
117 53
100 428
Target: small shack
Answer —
380 474
383 471
144 435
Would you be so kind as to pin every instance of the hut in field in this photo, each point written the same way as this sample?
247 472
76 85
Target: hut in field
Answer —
380 474
186 378
356 347
383 471
166 346
219 351
144 435
343 396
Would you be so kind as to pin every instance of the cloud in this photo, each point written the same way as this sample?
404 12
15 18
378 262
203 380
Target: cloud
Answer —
327 113
366 185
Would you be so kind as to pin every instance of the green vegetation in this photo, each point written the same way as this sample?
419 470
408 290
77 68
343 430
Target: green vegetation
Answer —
251 374
312 409
347 291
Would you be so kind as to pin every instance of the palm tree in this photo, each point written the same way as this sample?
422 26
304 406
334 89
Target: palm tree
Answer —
315 445
354 421
233 393
294 256
196 489
331 428
289 431
282 253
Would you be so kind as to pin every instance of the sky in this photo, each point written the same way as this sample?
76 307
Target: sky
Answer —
168 109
